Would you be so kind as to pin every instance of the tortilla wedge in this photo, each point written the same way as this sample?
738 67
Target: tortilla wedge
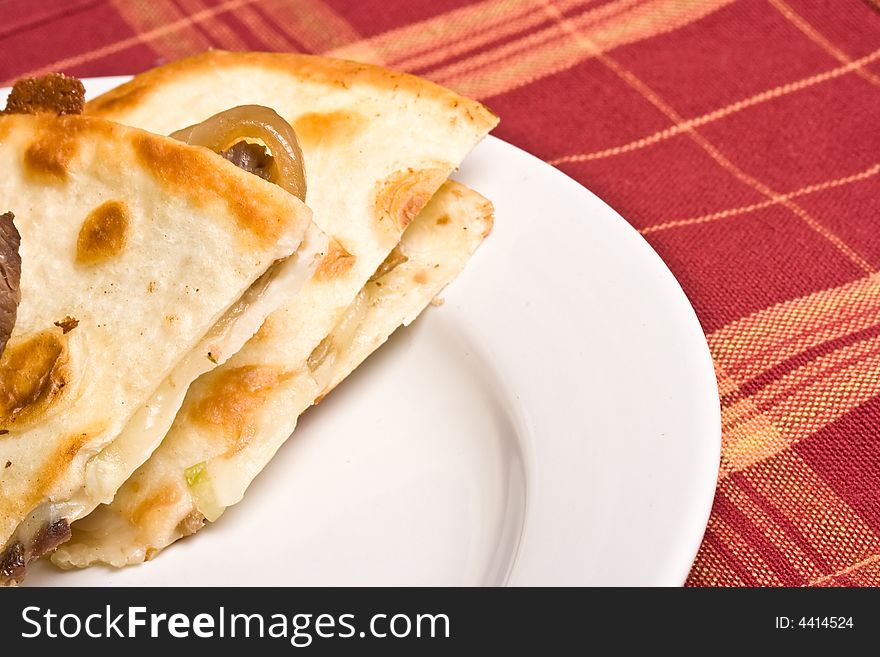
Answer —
377 146
139 255
200 468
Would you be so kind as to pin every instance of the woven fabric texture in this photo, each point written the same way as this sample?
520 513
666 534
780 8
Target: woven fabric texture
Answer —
740 137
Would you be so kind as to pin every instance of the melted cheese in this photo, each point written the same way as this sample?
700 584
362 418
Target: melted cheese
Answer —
106 471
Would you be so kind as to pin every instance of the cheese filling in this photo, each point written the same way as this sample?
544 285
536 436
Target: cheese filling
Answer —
109 468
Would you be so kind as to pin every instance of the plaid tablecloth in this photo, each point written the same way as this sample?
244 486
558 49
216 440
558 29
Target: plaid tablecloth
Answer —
741 137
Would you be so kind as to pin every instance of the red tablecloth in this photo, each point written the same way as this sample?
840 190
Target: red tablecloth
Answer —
742 138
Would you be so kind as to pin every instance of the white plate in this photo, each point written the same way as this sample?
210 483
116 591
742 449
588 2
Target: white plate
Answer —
556 422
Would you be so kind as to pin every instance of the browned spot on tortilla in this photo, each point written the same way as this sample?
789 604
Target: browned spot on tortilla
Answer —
34 375
67 324
150 553
233 400
202 176
103 234
55 465
49 159
118 99
318 127
336 262
403 194
167 494
488 218
317 70
59 461
267 330
442 221
420 277
151 287
56 142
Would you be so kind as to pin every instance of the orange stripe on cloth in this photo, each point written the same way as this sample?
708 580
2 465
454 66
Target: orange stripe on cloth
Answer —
813 34
786 372
651 96
221 34
823 519
504 27
713 566
757 99
798 404
864 573
745 560
312 23
267 29
587 42
551 34
733 212
543 53
175 27
439 37
153 17
754 344
808 523
802 562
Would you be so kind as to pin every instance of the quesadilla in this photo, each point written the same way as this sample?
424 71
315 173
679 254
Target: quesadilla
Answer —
144 263
203 465
379 144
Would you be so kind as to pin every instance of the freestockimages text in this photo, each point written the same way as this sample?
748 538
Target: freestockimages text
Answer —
299 629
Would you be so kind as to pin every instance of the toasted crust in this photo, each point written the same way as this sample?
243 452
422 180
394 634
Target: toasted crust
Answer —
106 212
232 404
201 175
103 234
259 208
35 375
229 410
377 146
335 263
55 466
339 126
55 142
325 70
403 194
164 496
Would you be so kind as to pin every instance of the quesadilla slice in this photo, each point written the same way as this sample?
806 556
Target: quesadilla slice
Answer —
206 462
144 262
378 146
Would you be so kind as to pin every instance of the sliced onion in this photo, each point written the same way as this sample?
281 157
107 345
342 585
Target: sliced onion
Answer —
324 357
226 129
396 258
